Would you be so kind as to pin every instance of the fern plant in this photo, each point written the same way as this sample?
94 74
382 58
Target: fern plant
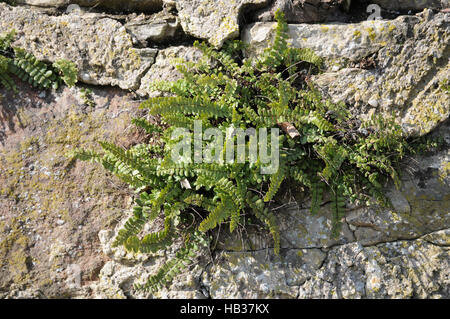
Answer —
19 63
322 147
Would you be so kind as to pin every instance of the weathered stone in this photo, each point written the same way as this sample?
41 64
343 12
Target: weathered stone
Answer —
411 4
253 275
300 229
305 11
402 269
440 238
49 206
101 47
215 21
51 209
116 282
154 29
141 5
407 80
411 58
337 43
392 270
44 3
164 69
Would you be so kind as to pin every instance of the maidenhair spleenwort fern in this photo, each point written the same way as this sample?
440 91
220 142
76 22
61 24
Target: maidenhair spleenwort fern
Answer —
23 65
322 148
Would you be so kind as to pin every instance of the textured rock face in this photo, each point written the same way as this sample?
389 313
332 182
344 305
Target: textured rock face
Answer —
411 4
51 210
56 216
215 21
304 11
142 5
401 269
101 47
334 42
164 68
407 78
382 253
44 3
159 28
409 58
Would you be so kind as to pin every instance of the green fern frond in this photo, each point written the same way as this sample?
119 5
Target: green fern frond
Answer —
316 196
222 212
183 258
68 71
33 71
192 106
131 228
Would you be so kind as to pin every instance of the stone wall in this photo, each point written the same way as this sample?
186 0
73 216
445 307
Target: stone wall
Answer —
59 217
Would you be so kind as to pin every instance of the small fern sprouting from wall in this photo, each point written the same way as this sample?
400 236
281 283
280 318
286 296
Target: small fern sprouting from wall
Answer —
16 62
329 150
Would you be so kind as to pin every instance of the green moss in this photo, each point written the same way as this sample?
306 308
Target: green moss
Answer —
13 252
445 171
392 28
445 85
371 32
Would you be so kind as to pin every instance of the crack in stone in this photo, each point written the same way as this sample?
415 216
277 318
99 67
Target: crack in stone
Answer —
328 248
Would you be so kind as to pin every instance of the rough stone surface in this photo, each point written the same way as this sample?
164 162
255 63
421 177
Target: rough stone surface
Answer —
215 21
58 218
44 3
159 28
141 5
409 56
51 209
101 47
334 42
407 78
401 269
164 67
305 11
411 4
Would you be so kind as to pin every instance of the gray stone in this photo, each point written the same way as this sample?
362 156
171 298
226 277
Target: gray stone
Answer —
440 238
300 229
154 29
402 269
253 275
420 207
44 3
